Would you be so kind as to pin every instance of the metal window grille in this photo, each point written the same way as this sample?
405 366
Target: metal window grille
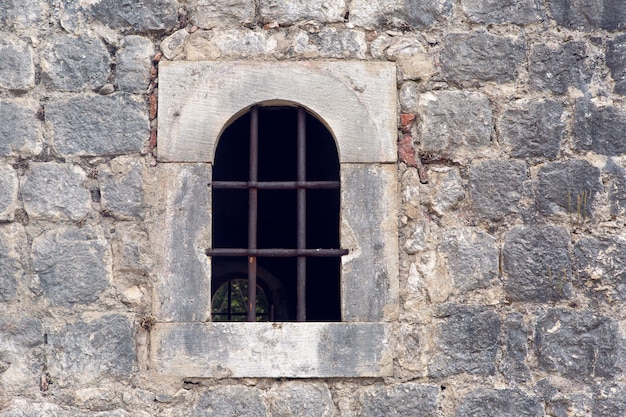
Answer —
301 252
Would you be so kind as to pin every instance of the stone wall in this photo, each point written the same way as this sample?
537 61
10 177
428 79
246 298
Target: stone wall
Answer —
512 192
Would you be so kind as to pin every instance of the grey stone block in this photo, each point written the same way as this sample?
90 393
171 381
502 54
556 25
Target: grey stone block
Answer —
577 345
533 128
9 187
556 69
401 400
569 187
408 97
520 12
19 130
71 63
23 13
17 68
340 43
208 14
589 14
20 407
499 403
92 351
20 353
470 59
609 400
73 265
496 187
616 61
55 191
601 267
537 263
134 60
467 342
121 187
98 125
471 258
398 13
514 365
301 399
616 187
599 128
453 120
231 400
288 13
131 249
134 16
12 246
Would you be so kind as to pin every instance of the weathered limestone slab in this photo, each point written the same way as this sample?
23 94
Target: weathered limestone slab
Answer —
134 60
19 129
12 248
17 68
406 400
73 265
300 399
577 344
180 230
503 11
499 403
290 12
369 278
98 125
197 99
274 350
55 191
9 187
71 63
209 14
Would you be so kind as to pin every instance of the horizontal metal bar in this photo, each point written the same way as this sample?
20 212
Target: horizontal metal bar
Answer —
276 185
271 253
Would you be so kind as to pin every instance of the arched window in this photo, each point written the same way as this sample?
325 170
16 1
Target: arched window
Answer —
276 199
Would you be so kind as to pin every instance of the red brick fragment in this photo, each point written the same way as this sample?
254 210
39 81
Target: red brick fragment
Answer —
153 106
406 122
406 151
153 138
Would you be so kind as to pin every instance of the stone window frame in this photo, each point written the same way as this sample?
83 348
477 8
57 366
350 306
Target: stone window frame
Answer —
357 102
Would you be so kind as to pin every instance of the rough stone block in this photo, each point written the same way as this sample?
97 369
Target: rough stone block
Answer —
121 187
301 399
92 351
474 58
17 68
609 400
599 128
398 13
131 248
98 125
578 345
406 400
341 43
556 69
231 400
408 97
73 265
533 128
181 232
19 407
499 403
71 63
20 356
450 121
450 193
288 13
537 263
55 191
589 14
9 187
12 248
520 12
616 187
601 267
616 61
23 13
293 350
467 342
19 130
368 223
569 187
496 187
471 258
514 365
134 60
209 14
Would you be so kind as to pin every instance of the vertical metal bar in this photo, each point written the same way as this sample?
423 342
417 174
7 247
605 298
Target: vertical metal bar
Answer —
301 262
252 211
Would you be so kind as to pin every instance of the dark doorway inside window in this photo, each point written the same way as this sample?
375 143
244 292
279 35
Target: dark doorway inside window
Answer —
296 201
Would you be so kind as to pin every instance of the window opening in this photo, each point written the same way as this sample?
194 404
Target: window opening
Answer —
277 207
229 302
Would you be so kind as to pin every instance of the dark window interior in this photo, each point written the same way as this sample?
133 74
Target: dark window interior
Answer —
277 221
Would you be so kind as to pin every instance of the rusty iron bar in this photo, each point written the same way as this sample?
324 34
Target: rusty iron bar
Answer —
276 185
252 211
301 207
276 252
